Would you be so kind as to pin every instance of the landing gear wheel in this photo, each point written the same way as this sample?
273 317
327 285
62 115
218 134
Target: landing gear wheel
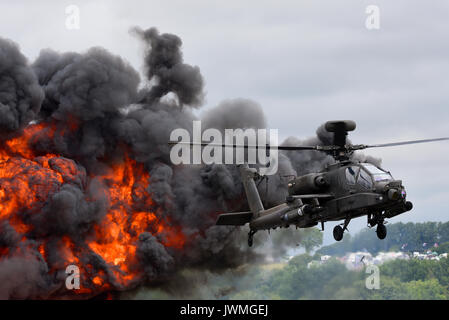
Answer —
250 238
338 233
381 231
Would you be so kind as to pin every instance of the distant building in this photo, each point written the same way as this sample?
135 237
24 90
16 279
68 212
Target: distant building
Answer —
359 260
429 255
383 257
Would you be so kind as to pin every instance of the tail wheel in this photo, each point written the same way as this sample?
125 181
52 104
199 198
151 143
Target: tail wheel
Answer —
338 233
381 231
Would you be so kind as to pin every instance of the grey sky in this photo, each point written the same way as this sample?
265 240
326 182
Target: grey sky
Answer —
304 62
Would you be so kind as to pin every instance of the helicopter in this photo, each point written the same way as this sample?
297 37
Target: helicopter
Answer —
344 190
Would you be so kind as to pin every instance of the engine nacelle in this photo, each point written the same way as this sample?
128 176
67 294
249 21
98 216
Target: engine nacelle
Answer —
307 184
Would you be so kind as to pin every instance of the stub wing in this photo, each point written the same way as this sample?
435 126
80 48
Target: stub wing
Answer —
234 219
313 196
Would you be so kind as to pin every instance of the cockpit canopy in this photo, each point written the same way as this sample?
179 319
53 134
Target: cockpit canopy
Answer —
366 176
377 173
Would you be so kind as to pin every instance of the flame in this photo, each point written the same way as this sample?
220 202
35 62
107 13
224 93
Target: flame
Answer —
27 180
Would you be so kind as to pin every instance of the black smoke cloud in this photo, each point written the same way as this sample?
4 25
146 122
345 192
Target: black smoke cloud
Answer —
85 86
20 93
164 65
86 91
94 101
153 257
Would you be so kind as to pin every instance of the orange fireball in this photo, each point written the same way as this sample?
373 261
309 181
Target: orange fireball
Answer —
28 180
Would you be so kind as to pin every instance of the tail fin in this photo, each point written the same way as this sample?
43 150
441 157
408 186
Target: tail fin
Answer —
248 175
255 204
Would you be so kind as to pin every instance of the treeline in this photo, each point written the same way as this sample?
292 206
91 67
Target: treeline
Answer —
399 279
407 237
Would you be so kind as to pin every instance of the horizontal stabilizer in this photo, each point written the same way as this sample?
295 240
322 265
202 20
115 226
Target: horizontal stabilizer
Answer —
234 219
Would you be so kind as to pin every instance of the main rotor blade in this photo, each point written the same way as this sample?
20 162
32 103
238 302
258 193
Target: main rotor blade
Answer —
287 148
404 143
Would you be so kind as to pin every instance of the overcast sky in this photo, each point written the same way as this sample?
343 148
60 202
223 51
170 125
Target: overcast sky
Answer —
304 62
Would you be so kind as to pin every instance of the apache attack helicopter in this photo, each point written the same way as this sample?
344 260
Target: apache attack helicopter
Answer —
344 190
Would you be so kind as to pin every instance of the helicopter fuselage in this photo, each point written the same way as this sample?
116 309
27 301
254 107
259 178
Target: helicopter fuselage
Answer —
342 191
